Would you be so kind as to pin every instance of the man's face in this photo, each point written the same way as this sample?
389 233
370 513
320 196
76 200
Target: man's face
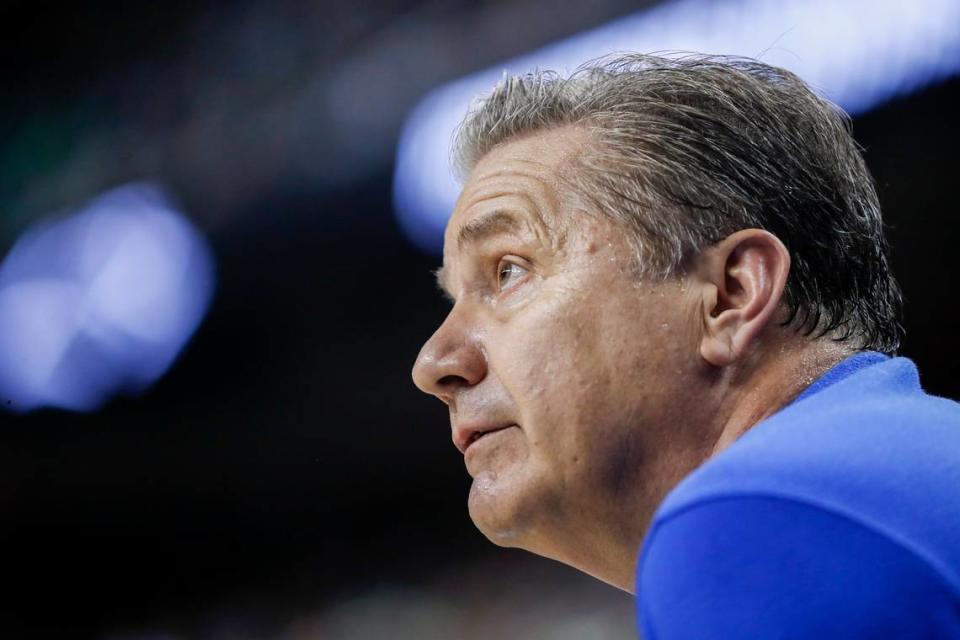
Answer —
573 369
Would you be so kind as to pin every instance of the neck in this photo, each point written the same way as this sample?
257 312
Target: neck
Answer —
763 387
767 381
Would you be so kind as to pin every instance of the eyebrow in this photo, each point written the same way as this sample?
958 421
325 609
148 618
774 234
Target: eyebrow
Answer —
496 222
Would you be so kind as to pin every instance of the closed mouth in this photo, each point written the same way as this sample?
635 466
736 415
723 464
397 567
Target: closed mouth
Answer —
465 435
478 435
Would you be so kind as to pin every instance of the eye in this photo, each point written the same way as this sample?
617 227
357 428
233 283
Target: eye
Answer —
508 273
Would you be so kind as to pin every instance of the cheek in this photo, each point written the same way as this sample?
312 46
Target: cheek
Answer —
556 366
584 369
540 363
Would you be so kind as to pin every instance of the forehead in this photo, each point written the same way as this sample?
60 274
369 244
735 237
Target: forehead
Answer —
520 176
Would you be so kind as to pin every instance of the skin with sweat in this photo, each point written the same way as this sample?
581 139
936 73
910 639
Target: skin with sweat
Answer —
614 387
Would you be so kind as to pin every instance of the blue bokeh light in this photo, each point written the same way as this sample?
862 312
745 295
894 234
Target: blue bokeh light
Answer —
101 301
858 53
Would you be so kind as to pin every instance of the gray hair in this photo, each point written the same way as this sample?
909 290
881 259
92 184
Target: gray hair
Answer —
688 150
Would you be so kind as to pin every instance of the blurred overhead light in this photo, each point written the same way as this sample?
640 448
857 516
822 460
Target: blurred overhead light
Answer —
100 302
858 53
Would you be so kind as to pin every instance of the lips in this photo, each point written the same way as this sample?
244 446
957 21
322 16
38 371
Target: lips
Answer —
465 435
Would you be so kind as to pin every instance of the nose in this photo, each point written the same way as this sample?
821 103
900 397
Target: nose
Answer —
450 361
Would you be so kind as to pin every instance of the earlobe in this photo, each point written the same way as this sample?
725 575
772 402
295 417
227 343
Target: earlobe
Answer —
717 351
743 278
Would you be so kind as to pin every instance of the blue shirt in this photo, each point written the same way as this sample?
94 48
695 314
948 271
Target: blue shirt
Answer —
837 517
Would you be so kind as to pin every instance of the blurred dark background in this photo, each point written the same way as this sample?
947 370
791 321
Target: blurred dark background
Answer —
285 478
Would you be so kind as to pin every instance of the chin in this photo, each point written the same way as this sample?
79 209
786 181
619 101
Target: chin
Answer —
505 515
503 537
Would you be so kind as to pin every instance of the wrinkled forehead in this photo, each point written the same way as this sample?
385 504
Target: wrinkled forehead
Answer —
521 177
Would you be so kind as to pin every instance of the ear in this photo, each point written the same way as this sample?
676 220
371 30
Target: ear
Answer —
741 279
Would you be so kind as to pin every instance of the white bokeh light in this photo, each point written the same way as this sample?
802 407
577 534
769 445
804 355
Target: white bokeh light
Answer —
100 301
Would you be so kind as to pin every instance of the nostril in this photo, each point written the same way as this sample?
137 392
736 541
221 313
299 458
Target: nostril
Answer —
451 381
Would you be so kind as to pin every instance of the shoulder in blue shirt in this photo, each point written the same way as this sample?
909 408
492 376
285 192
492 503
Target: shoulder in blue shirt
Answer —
837 517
